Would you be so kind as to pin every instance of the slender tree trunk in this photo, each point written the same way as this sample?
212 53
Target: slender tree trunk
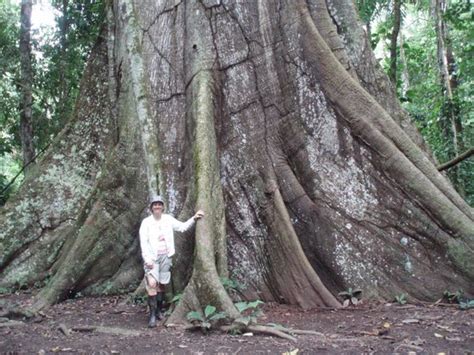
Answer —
405 75
26 82
63 81
446 65
397 18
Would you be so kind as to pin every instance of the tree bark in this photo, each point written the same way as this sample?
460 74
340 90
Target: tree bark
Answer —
405 77
273 118
26 82
397 20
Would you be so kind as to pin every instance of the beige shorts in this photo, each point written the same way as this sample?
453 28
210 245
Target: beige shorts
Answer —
160 271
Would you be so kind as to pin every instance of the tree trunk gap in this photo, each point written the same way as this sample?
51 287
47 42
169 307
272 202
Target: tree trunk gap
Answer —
273 118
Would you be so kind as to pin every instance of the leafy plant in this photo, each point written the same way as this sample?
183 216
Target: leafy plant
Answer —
451 297
5 291
468 304
249 312
350 296
174 301
208 319
139 299
401 298
231 285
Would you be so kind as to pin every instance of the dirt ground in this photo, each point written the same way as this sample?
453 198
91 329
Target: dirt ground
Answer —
109 325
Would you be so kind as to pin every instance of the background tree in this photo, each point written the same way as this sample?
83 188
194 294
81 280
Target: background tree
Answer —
9 95
427 99
59 55
274 118
26 102
423 56
397 20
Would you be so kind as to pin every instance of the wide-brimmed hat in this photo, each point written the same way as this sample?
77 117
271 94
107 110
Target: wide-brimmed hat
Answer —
156 199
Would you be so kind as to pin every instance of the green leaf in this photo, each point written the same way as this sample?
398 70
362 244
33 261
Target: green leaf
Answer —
241 306
209 310
193 315
176 298
219 315
255 304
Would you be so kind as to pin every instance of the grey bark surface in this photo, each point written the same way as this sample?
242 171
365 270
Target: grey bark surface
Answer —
285 133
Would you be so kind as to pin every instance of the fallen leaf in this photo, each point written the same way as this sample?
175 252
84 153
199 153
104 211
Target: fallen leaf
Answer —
453 338
448 329
410 321
292 352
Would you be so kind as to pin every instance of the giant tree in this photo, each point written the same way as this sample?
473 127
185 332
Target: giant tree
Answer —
274 118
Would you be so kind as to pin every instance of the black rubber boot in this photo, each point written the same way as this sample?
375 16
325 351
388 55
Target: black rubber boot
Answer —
159 301
152 305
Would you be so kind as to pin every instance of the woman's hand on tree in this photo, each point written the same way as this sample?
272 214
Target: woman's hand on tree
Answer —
199 214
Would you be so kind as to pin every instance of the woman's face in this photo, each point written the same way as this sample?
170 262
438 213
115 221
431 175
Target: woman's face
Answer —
157 209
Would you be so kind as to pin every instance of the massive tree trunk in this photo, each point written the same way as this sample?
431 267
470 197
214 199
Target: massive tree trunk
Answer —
272 117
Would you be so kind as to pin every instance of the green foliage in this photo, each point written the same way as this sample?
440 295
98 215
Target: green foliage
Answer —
9 93
65 51
468 304
174 301
350 296
249 312
451 297
176 298
425 100
5 291
423 95
207 319
231 285
58 62
139 299
401 298
369 9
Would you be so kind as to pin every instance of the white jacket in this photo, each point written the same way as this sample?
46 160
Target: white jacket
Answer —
151 229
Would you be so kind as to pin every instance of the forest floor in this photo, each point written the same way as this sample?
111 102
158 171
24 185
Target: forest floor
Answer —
109 325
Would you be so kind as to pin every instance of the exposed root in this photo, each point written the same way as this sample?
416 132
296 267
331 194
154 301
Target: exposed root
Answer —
304 332
281 332
258 329
269 330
